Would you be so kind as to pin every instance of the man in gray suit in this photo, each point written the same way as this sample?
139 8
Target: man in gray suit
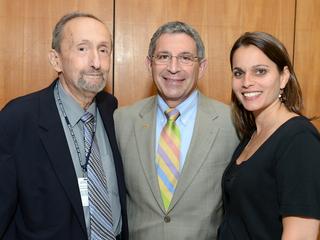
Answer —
178 200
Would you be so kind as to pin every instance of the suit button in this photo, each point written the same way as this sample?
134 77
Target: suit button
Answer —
167 219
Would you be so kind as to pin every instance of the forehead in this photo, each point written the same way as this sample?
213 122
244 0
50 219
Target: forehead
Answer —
175 43
250 55
85 28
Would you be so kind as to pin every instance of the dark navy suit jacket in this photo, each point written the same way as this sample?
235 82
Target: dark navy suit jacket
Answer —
39 194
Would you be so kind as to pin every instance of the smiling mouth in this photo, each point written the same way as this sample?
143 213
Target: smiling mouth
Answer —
173 79
97 75
251 94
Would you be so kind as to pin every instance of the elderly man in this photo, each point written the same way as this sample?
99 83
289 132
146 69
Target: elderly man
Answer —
61 175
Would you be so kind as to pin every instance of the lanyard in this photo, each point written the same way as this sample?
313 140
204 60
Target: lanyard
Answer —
85 164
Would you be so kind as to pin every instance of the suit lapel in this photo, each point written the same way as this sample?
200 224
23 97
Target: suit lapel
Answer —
106 110
199 147
145 128
106 105
54 140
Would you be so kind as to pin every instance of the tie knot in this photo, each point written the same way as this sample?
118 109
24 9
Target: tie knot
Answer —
172 114
87 117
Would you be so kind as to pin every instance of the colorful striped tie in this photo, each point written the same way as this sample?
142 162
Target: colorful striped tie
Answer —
99 204
168 157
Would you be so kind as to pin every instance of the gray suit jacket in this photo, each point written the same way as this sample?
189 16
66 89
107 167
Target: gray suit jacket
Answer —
196 208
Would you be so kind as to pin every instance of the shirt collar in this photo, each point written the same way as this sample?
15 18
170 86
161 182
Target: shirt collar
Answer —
185 108
72 108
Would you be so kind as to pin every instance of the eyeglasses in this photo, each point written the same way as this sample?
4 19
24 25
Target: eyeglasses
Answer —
183 59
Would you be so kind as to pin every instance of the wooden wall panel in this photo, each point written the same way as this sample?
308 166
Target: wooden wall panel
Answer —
219 23
227 21
307 54
26 28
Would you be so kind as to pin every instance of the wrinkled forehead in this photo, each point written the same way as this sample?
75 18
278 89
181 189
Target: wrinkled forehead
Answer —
85 28
176 43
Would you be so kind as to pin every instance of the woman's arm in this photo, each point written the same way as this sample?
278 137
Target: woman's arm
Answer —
300 228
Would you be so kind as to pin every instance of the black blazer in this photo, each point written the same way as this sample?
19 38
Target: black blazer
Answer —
39 194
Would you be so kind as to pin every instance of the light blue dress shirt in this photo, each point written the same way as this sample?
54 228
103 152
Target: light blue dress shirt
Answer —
188 112
74 113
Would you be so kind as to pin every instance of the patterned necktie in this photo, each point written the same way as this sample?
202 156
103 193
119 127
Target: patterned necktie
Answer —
168 157
99 203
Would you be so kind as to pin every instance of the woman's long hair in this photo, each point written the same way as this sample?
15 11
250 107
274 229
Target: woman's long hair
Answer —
291 95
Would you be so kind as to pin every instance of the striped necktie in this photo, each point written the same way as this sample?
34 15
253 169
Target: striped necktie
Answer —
168 157
99 203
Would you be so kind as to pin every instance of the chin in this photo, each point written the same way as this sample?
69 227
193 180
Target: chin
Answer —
94 87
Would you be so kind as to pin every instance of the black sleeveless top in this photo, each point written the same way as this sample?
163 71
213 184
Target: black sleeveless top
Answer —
280 179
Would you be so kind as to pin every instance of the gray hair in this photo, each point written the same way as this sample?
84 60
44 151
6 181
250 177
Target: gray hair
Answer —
177 27
58 29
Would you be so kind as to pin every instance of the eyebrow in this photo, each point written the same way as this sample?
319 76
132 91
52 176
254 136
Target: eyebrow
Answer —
88 42
105 43
163 52
237 68
167 52
83 41
254 66
261 65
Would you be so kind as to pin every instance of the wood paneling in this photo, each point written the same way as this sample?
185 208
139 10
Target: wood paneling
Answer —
307 54
219 23
227 21
26 28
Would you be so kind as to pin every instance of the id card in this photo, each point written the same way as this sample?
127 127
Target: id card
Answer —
83 187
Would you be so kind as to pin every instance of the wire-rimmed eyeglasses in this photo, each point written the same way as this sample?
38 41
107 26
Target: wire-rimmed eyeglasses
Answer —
186 59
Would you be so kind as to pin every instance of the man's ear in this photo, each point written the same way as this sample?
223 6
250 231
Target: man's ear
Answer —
55 61
148 63
202 67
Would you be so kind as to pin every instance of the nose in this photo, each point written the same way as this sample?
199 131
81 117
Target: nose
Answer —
173 65
95 60
247 81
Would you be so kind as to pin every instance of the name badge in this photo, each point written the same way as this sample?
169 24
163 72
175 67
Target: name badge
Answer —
83 187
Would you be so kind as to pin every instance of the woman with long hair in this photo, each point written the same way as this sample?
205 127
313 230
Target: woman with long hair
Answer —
271 188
